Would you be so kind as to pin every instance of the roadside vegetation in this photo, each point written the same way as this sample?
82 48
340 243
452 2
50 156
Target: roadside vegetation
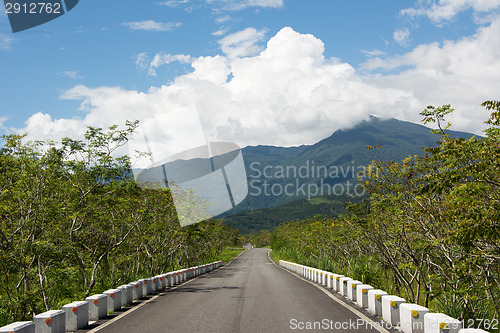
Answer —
429 230
72 224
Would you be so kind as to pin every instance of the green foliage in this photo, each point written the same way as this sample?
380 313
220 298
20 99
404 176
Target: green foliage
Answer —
73 224
429 232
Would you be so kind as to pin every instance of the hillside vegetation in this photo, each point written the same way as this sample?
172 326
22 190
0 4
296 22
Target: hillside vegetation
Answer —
71 225
429 230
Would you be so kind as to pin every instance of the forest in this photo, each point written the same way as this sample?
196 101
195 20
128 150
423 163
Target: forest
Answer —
71 223
429 230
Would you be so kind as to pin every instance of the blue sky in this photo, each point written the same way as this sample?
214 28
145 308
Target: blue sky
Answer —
281 72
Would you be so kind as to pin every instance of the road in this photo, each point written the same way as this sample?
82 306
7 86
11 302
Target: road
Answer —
251 294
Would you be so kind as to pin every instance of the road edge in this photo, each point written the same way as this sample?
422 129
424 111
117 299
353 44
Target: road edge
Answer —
374 325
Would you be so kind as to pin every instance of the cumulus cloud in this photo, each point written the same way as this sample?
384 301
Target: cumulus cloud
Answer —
442 10
242 43
150 25
290 94
449 72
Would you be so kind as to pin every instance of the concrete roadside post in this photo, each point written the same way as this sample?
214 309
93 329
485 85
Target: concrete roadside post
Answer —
343 285
155 284
98 306
127 292
53 321
136 289
351 289
149 285
163 281
412 318
330 281
336 282
77 315
439 322
170 279
19 327
375 301
362 294
390 309
113 299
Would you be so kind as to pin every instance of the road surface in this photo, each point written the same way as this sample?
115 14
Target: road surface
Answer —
251 294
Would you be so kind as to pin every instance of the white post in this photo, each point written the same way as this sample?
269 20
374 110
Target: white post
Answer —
114 299
53 321
127 294
362 295
412 318
19 327
375 301
390 309
336 282
77 315
98 306
439 322
343 285
351 289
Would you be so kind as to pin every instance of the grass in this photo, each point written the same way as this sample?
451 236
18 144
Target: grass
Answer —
229 253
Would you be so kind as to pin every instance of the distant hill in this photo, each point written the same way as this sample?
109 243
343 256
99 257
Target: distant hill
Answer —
326 167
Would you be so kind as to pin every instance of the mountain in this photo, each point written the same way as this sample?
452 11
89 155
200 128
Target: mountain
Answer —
293 176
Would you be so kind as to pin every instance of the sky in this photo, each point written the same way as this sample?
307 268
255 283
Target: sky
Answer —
275 72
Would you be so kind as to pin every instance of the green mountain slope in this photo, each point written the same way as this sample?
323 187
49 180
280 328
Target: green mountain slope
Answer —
326 165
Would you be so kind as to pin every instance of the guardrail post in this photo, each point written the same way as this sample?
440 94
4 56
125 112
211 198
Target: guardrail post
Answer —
336 282
163 281
390 309
98 306
170 280
127 294
53 321
330 281
137 289
362 295
19 327
375 301
439 322
114 299
412 318
343 285
77 315
351 289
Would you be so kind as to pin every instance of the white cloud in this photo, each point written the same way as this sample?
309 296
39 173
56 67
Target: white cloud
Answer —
242 43
450 72
289 94
150 25
220 32
173 3
163 58
243 4
443 10
402 37
5 41
373 53
141 60
72 74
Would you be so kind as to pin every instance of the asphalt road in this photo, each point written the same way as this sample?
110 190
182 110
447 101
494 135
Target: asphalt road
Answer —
251 294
